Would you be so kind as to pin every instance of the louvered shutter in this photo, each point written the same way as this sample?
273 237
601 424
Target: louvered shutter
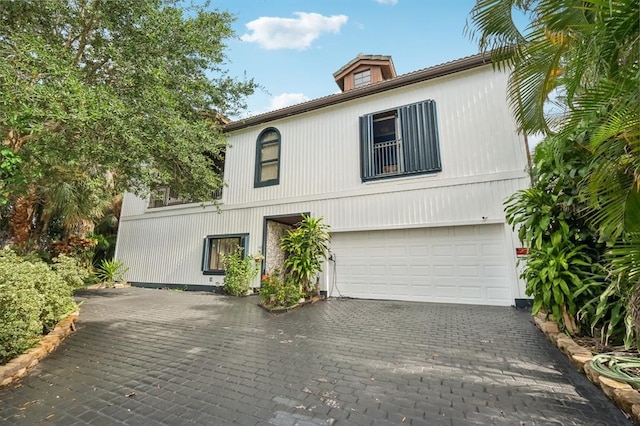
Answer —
366 146
419 134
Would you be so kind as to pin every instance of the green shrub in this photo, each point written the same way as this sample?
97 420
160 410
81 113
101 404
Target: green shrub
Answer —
277 293
111 271
238 272
69 270
33 298
20 306
58 296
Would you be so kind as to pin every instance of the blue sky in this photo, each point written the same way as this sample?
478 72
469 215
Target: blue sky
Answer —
292 48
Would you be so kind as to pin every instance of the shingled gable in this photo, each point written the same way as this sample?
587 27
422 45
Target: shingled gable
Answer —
425 74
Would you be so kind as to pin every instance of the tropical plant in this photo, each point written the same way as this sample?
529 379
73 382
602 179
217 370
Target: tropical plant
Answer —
305 250
574 75
101 97
111 271
615 309
562 270
239 270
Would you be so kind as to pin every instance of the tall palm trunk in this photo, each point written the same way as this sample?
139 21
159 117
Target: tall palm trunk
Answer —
21 218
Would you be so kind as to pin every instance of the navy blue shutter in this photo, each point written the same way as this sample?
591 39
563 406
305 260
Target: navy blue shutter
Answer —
419 134
366 146
205 254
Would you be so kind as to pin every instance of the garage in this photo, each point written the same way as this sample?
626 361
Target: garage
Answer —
460 264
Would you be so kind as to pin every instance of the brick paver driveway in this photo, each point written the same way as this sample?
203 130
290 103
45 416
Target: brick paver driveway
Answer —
163 357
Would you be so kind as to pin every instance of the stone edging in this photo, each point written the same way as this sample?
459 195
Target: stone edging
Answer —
20 365
314 299
622 394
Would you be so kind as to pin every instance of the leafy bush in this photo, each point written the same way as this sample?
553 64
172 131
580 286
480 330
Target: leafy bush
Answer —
70 271
305 248
111 271
274 292
238 272
564 269
20 306
33 298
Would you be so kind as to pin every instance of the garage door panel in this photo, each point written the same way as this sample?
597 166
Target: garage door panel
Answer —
420 270
471 292
469 271
470 250
494 249
466 264
440 250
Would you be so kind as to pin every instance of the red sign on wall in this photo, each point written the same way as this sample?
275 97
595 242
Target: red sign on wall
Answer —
522 251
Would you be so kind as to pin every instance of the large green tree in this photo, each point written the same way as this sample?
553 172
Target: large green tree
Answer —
102 96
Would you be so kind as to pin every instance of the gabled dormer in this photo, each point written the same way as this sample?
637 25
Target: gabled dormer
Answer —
363 70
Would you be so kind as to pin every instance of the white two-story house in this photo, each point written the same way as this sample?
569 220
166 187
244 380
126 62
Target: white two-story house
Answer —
410 172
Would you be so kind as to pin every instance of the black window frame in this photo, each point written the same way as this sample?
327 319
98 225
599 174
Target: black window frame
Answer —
260 143
206 250
417 137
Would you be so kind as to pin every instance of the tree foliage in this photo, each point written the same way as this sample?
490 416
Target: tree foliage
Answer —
98 97
575 78
582 56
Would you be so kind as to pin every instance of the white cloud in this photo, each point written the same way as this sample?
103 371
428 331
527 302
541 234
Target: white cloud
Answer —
286 99
292 33
391 2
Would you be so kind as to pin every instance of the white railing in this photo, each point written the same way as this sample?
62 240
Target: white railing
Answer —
387 158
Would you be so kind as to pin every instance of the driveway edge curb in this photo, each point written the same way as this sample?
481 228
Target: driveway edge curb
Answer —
22 364
622 394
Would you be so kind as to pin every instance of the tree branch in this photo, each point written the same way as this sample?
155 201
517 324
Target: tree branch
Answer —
85 33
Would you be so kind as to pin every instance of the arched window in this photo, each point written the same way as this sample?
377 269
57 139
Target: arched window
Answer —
268 158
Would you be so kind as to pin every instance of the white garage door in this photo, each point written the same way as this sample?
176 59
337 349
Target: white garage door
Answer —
462 264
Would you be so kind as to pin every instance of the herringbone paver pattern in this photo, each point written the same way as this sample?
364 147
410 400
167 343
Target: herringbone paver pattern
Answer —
144 357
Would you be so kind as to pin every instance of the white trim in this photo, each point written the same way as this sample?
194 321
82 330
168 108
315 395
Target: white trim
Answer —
369 188
421 225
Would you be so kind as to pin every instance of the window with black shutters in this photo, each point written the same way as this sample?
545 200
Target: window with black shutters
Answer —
402 141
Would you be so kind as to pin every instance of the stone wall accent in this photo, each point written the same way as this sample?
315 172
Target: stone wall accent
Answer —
274 256
622 394
20 365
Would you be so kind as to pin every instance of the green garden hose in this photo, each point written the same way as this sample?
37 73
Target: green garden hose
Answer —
617 367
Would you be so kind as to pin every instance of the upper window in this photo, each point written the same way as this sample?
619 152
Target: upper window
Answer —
216 247
268 158
399 142
163 196
361 78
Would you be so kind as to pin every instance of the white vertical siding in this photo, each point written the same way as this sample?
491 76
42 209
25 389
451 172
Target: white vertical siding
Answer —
166 247
483 162
320 149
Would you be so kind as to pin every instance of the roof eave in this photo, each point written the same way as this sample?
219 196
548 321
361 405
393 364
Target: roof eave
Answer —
441 70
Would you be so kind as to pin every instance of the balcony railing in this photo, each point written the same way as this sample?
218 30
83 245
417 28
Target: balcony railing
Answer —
387 158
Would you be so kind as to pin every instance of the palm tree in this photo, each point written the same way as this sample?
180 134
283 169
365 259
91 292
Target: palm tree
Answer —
575 73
